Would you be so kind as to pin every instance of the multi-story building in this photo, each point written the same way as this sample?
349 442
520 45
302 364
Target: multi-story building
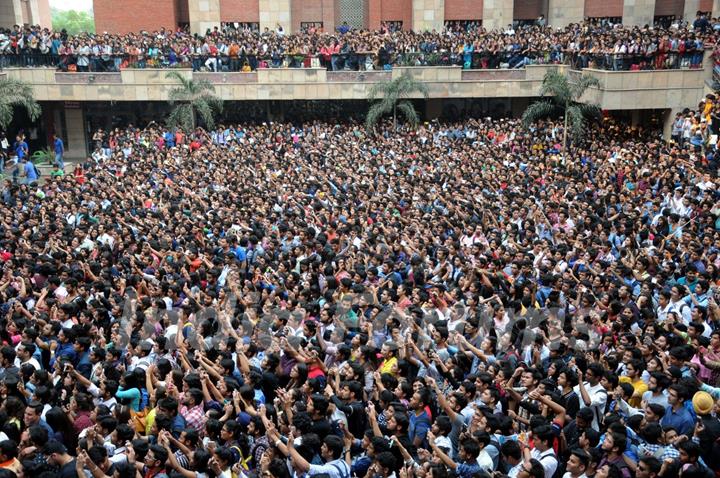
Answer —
25 12
417 15
77 101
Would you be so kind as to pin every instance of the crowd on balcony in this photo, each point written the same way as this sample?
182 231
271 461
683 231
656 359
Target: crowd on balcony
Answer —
597 45
274 300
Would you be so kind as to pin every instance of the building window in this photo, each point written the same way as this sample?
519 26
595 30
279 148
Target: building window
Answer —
605 21
393 25
524 22
308 26
240 26
664 21
462 25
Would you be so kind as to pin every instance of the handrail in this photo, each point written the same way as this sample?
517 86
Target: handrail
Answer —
358 61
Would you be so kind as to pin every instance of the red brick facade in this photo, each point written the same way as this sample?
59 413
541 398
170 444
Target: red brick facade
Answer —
463 9
706 6
313 11
669 7
603 8
389 10
241 11
528 9
134 15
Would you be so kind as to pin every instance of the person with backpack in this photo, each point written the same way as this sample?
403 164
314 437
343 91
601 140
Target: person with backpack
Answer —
331 452
613 448
592 392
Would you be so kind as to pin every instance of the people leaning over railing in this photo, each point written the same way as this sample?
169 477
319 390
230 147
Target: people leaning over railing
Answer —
581 45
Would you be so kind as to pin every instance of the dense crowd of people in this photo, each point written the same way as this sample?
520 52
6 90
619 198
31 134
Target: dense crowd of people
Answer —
463 299
599 45
282 300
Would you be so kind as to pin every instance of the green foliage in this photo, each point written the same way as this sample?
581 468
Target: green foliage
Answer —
390 96
16 93
73 21
190 99
563 97
41 156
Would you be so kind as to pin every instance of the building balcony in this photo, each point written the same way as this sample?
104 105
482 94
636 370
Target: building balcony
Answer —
618 90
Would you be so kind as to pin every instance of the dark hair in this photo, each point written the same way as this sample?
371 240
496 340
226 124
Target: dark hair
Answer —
582 456
335 444
652 463
511 449
9 448
38 435
471 447
160 453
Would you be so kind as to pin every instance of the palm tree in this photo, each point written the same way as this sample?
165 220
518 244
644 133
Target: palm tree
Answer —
16 93
191 98
564 96
394 97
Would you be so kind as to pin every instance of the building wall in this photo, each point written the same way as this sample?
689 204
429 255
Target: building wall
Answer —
497 14
564 12
34 12
243 11
182 12
528 9
638 12
669 7
313 11
707 6
133 16
428 15
275 12
10 13
463 9
44 18
389 10
604 8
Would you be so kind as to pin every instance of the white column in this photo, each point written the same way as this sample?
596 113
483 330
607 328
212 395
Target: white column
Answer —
274 13
561 13
690 9
204 15
428 15
638 12
497 14
76 141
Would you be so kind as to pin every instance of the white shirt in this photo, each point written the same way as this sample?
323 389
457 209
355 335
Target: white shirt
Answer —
485 461
32 362
334 469
598 399
548 460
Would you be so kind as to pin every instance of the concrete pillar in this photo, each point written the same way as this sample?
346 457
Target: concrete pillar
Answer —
638 12
561 13
76 140
690 9
715 8
274 13
668 121
10 13
428 15
497 14
203 14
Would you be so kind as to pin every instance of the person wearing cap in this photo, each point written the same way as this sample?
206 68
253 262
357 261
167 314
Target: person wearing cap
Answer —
707 429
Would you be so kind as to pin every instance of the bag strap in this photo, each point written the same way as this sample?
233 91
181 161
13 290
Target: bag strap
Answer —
342 473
